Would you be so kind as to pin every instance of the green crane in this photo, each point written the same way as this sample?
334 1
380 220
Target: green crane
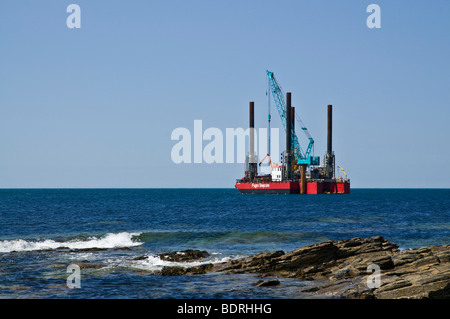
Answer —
302 158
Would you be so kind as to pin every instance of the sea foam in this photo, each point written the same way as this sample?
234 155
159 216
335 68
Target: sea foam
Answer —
110 240
155 263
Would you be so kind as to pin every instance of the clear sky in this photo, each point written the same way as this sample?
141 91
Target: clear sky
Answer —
96 106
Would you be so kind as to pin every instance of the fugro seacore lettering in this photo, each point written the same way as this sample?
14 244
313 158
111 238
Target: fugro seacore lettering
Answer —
246 308
260 185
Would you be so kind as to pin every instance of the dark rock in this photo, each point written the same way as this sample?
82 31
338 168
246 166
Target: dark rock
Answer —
267 283
179 270
443 293
82 250
140 258
197 270
184 255
384 262
173 271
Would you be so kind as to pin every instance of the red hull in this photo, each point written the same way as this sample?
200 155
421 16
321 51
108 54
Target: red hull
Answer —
269 188
321 187
328 187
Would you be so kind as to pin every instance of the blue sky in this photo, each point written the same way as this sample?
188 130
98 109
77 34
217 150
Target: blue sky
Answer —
96 106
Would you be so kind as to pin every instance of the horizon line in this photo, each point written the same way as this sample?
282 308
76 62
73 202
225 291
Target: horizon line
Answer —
55 188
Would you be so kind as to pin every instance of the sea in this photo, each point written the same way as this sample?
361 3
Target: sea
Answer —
105 243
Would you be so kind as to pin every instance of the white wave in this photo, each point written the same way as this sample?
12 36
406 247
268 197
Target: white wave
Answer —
110 240
155 263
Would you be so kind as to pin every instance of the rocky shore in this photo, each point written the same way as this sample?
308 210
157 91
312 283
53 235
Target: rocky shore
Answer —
355 268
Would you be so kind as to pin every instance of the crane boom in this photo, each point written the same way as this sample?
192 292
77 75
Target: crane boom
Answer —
344 173
306 157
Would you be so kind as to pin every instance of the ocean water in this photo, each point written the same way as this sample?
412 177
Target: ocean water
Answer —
115 235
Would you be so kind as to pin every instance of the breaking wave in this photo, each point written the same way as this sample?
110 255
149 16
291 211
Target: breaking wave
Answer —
155 263
108 241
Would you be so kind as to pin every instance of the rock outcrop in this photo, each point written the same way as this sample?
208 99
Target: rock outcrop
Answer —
354 268
344 269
